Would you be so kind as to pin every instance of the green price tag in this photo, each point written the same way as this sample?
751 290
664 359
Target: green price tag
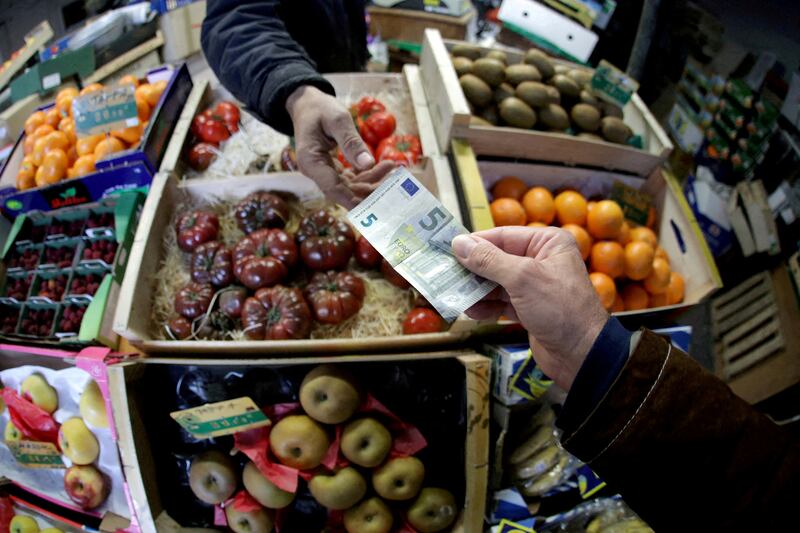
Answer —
612 85
105 110
221 418
33 454
635 204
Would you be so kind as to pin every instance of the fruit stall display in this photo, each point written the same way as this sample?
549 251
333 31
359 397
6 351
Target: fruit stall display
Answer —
52 167
381 443
525 104
62 266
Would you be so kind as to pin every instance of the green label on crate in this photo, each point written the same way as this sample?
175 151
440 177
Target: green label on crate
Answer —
105 110
33 454
635 204
612 85
221 418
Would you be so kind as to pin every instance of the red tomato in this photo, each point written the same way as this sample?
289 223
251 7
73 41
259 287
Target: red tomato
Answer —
276 313
326 243
422 320
376 127
404 149
201 155
198 121
334 296
366 106
261 210
366 255
392 276
195 228
264 258
229 113
212 263
213 131
194 299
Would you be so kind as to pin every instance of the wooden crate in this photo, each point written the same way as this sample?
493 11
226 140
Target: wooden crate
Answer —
755 328
410 24
139 446
451 118
678 231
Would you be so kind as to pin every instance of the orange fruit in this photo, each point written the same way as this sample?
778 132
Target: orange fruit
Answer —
675 289
658 280
129 79
507 212
605 288
83 165
582 237
536 225
26 175
86 145
155 93
638 260
27 163
571 208
539 205
56 158
509 187
662 253
129 135
38 151
108 146
619 305
658 300
43 130
40 179
605 219
67 92
64 105
624 236
590 205
52 117
27 144
651 217
56 139
142 108
608 257
67 125
72 155
34 121
635 297
645 235
92 87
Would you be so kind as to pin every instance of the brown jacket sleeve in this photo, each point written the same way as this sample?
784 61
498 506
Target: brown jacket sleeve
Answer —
686 453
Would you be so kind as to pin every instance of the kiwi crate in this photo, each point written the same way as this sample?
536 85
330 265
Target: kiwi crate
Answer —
444 394
451 118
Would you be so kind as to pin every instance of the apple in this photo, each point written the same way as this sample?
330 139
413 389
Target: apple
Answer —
86 486
2 401
51 530
93 406
339 491
299 442
432 511
77 442
212 477
399 479
330 394
23 524
12 434
263 490
366 442
258 521
369 516
36 389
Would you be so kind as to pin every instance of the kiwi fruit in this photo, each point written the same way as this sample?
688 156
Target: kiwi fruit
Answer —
561 69
463 65
534 93
580 76
475 89
498 55
554 116
503 91
565 85
489 70
614 130
466 50
553 93
517 113
478 121
541 61
588 98
611 110
516 74
489 114
585 116
592 136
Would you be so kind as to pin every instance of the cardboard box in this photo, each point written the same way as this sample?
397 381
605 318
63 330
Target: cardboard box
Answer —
181 29
48 75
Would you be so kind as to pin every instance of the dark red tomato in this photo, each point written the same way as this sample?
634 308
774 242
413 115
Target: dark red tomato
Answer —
180 328
366 106
230 115
366 255
231 301
264 258
201 155
334 296
260 210
392 276
276 313
326 243
376 127
213 131
422 320
193 300
403 149
343 160
212 263
195 228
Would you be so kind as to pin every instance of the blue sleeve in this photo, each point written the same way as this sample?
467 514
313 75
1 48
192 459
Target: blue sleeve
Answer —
601 367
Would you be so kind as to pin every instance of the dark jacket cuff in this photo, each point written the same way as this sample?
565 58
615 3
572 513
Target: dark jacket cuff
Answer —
272 107
601 367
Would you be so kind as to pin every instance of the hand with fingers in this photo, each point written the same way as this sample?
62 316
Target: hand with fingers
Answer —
321 123
543 284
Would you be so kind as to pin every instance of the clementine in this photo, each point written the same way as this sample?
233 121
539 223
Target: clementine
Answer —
582 237
108 146
658 280
129 135
605 219
571 208
92 87
536 225
128 79
608 257
34 121
539 205
619 305
509 187
52 117
624 236
635 297
83 165
644 234
86 145
675 289
507 212
658 300
605 288
638 260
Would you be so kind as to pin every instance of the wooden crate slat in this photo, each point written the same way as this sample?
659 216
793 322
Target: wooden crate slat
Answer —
730 337
737 291
744 313
751 359
755 292
730 353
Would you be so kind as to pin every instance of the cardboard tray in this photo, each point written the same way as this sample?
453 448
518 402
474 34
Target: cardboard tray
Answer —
451 118
676 227
144 460
125 170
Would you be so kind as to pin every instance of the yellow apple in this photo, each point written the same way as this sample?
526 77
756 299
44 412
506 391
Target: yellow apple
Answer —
93 407
432 511
212 477
258 521
399 479
51 530
36 389
263 490
299 442
369 516
366 442
330 394
86 486
12 434
339 491
23 524
77 442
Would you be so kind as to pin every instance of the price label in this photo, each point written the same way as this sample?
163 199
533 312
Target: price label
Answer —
52 80
221 418
612 85
105 110
635 204
507 526
33 454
